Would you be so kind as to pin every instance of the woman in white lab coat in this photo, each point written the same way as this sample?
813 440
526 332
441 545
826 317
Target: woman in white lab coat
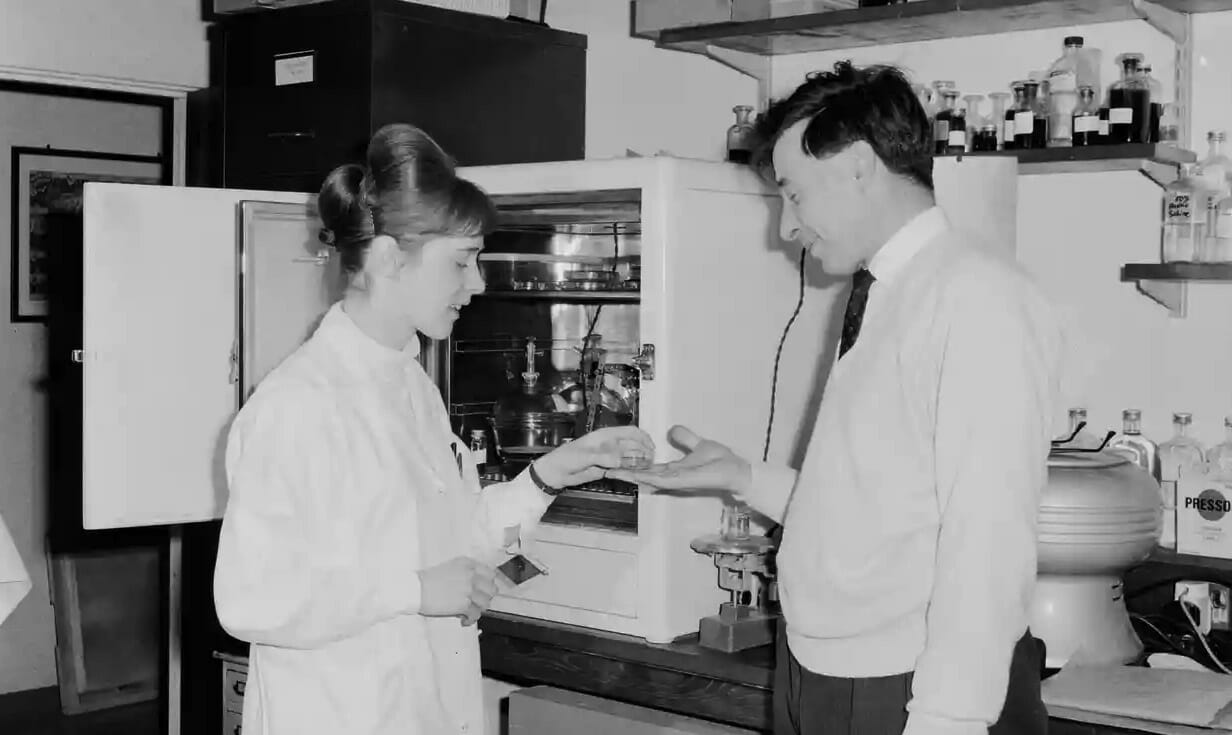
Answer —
357 549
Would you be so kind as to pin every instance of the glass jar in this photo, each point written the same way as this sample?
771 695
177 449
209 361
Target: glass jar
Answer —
740 136
1185 218
1063 93
1215 173
942 122
1157 97
1084 125
1179 455
1129 103
1000 103
1169 123
1030 120
1010 137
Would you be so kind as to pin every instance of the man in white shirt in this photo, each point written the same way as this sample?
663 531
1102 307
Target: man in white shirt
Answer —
908 558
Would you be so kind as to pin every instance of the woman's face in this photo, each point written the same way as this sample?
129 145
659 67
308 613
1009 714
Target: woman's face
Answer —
432 285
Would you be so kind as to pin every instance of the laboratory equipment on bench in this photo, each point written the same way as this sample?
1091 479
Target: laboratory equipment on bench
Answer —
744 563
1100 514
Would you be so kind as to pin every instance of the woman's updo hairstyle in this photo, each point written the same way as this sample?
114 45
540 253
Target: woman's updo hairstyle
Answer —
408 190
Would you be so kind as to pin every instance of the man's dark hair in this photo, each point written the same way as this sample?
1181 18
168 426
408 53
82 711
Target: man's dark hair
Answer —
875 104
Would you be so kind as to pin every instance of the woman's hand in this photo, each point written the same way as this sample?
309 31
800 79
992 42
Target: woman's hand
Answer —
706 465
588 458
461 587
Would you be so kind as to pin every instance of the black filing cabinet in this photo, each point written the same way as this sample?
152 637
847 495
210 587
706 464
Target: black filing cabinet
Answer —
302 89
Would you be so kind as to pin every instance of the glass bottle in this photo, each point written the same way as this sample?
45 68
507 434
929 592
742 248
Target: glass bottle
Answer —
1085 122
946 123
1182 454
1083 438
1030 121
1157 97
1129 104
1019 104
1132 444
479 450
924 95
1220 456
1215 173
740 135
1185 218
1039 137
1000 102
1063 93
978 126
1169 123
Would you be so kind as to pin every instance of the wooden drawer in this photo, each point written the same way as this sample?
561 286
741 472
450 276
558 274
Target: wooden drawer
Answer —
231 723
234 678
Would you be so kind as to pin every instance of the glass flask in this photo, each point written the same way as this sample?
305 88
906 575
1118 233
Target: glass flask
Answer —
740 135
1185 217
1063 81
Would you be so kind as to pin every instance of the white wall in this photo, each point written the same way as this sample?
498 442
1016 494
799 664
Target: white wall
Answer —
1076 230
647 99
27 638
160 41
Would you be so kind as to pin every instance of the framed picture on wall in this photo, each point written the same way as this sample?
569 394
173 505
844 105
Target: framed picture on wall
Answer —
47 182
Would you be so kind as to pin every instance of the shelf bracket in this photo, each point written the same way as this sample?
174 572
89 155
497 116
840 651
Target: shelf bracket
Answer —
1178 27
752 65
1172 295
1161 173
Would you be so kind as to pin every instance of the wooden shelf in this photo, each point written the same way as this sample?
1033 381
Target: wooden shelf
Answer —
923 20
1166 556
1093 159
1176 272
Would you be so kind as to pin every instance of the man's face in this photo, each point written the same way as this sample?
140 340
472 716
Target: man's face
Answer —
823 202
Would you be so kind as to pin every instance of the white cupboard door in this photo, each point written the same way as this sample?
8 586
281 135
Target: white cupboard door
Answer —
159 330
289 280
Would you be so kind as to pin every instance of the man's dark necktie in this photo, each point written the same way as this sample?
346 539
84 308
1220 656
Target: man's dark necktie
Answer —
861 281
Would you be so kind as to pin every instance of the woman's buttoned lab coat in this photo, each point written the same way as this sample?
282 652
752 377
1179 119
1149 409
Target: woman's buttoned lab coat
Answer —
346 480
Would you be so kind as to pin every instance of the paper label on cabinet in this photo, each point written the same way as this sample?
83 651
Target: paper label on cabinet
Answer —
1121 115
1024 123
295 68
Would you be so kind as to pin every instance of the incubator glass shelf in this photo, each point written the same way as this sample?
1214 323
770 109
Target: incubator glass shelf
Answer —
925 20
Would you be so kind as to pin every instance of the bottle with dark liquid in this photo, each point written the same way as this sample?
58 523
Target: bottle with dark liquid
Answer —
1085 124
1030 119
1129 104
1157 98
946 98
740 135
1011 115
1000 102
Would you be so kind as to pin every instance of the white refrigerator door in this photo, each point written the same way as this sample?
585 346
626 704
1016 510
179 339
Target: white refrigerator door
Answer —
288 280
159 338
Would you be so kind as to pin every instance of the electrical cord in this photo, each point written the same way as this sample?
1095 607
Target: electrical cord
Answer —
778 355
1201 636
